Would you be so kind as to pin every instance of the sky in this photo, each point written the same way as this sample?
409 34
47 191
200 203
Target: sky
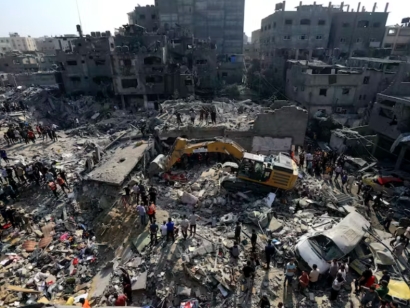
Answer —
57 17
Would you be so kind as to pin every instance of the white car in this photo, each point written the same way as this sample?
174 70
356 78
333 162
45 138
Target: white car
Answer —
323 246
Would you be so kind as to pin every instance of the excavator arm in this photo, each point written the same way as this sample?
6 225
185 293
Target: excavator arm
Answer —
182 146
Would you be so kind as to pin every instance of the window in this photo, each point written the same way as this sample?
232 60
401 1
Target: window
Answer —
392 32
288 21
305 22
303 37
342 40
345 91
75 79
318 37
286 37
322 92
273 39
274 24
359 40
269 26
129 83
127 62
72 62
266 28
372 40
363 24
345 25
388 45
154 79
376 25
224 74
153 16
82 61
99 62
400 47
142 16
360 97
364 97
321 22
366 80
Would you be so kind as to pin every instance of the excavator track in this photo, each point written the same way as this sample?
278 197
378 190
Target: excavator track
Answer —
233 184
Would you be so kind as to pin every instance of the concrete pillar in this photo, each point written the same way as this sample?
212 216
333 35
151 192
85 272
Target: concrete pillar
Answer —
145 101
122 102
297 54
310 54
401 157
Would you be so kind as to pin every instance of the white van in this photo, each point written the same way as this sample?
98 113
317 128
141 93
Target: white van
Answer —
323 246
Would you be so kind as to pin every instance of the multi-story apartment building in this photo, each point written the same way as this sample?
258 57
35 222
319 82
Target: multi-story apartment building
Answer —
145 16
356 33
222 21
86 68
19 43
397 38
336 88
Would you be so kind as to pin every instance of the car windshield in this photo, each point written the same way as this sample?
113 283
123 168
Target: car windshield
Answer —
325 247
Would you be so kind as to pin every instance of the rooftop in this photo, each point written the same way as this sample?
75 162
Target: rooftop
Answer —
378 60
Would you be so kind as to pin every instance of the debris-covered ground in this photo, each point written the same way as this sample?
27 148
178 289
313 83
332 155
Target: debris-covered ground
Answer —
89 242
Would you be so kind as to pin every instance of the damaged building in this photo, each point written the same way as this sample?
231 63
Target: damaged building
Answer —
335 88
86 68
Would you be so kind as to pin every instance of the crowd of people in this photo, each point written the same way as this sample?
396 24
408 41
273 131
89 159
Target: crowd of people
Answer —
204 115
15 177
25 133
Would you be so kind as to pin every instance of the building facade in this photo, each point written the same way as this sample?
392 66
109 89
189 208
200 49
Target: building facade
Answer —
318 86
397 39
356 33
46 45
222 21
19 43
86 68
5 45
145 16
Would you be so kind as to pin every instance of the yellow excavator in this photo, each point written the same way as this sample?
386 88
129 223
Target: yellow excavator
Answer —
255 172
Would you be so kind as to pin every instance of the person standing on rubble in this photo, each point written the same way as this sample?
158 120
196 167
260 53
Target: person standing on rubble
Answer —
238 232
302 159
164 229
234 253
192 115
62 184
126 284
39 130
269 253
3 155
152 194
151 212
179 120
264 302
153 228
249 273
254 239
184 226
31 136
142 213
336 286
170 230
192 223
290 270
85 303
213 115
338 171
53 188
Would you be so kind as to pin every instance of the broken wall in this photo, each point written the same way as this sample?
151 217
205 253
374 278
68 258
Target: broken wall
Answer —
282 123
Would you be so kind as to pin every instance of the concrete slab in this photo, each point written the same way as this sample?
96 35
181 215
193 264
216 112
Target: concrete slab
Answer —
141 283
142 240
119 164
101 281
274 225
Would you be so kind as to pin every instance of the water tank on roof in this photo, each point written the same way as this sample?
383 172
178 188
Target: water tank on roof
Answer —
108 33
98 34
93 34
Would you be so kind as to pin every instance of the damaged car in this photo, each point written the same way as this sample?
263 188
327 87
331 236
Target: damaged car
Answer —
321 247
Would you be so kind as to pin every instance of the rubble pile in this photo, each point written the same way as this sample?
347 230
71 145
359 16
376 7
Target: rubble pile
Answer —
231 114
